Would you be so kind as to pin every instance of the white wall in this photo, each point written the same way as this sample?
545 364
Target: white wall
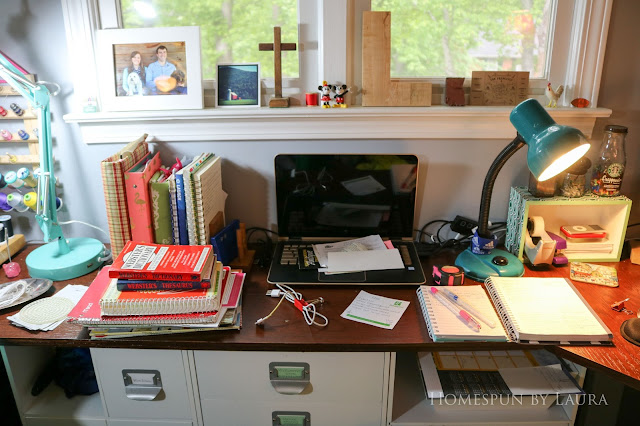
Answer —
620 91
32 33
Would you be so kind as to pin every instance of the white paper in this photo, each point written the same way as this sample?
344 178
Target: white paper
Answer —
375 310
370 260
371 242
361 186
71 292
542 380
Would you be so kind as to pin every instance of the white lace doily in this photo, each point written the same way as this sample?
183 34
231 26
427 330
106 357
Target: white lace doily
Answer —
45 311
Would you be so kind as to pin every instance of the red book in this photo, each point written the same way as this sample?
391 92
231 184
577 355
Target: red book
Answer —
136 184
163 262
141 285
87 310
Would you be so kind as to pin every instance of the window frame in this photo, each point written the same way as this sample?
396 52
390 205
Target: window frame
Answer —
328 44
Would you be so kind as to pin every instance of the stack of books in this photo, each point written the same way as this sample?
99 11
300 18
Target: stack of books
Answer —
164 207
160 289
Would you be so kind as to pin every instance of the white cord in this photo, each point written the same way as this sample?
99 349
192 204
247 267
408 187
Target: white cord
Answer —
84 223
43 82
308 309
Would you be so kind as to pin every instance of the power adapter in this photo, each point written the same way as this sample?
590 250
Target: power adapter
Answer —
463 226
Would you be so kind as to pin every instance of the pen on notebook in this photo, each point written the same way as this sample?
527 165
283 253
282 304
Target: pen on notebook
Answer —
473 311
460 313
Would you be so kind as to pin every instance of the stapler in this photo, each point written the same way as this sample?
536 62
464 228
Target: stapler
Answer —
561 244
539 247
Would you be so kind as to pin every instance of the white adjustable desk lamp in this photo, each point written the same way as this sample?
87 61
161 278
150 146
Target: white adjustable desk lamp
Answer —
62 258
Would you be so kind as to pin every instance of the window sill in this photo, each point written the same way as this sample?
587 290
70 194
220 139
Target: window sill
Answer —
305 123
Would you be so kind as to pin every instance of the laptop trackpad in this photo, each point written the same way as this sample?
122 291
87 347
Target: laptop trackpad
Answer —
351 277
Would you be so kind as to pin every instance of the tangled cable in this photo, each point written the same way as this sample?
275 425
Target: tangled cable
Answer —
308 308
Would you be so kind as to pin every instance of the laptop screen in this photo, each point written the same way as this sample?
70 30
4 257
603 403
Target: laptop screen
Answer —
345 195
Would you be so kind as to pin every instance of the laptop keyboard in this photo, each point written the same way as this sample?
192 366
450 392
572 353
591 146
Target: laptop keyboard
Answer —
290 253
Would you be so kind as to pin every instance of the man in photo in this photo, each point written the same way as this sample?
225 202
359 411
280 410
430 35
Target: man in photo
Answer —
159 72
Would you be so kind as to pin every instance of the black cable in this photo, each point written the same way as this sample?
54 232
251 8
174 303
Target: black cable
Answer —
633 224
440 229
422 230
264 247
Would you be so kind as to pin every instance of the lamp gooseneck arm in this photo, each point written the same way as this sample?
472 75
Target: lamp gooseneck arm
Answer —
490 179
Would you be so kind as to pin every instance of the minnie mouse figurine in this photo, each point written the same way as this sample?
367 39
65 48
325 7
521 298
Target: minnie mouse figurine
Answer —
325 91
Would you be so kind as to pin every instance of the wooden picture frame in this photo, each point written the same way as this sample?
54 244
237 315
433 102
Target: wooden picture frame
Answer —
170 58
238 85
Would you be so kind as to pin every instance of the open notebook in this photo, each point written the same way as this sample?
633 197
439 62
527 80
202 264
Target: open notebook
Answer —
546 310
443 325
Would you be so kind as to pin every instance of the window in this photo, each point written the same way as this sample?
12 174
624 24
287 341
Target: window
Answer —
328 32
230 30
455 37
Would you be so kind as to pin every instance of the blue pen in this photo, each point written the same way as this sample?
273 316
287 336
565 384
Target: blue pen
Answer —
473 311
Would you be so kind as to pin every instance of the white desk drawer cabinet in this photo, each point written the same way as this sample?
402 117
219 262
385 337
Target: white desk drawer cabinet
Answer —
237 388
144 384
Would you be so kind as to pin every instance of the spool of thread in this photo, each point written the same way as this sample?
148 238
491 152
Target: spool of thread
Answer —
312 99
12 180
28 178
23 135
15 200
3 183
30 199
5 221
58 203
3 203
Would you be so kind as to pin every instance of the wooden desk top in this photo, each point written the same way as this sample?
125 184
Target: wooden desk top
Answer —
287 331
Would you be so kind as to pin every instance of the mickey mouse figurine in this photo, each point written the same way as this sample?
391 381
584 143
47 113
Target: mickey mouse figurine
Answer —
340 91
325 91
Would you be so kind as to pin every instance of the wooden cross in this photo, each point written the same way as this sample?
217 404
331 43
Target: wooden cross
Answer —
277 101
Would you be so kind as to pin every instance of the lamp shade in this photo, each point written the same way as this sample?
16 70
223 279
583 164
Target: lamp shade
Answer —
552 147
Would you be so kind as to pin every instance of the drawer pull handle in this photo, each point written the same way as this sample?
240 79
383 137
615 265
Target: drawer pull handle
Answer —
289 378
290 418
142 385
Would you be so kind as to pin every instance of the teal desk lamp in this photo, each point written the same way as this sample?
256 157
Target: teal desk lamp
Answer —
60 259
552 149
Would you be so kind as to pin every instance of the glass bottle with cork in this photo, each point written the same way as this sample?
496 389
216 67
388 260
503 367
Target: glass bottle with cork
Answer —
608 168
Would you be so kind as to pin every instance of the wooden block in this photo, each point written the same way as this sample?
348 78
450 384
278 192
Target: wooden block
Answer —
409 93
16 242
245 262
454 94
378 89
279 103
492 88
376 58
635 251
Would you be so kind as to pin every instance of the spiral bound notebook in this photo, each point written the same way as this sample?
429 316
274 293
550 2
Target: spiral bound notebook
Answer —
161 302
87 310
443 325
546 310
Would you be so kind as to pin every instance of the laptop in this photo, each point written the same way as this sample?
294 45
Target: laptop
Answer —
324 198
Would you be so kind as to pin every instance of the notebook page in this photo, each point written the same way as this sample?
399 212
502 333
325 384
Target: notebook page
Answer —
448 326
547 309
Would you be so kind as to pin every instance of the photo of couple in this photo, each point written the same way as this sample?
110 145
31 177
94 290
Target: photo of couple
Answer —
150 69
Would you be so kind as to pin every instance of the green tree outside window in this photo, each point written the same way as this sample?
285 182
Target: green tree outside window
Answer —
230 30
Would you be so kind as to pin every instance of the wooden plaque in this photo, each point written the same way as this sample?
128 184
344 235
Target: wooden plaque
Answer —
499 87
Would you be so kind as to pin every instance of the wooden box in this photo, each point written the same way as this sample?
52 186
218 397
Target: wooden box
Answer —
611 213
